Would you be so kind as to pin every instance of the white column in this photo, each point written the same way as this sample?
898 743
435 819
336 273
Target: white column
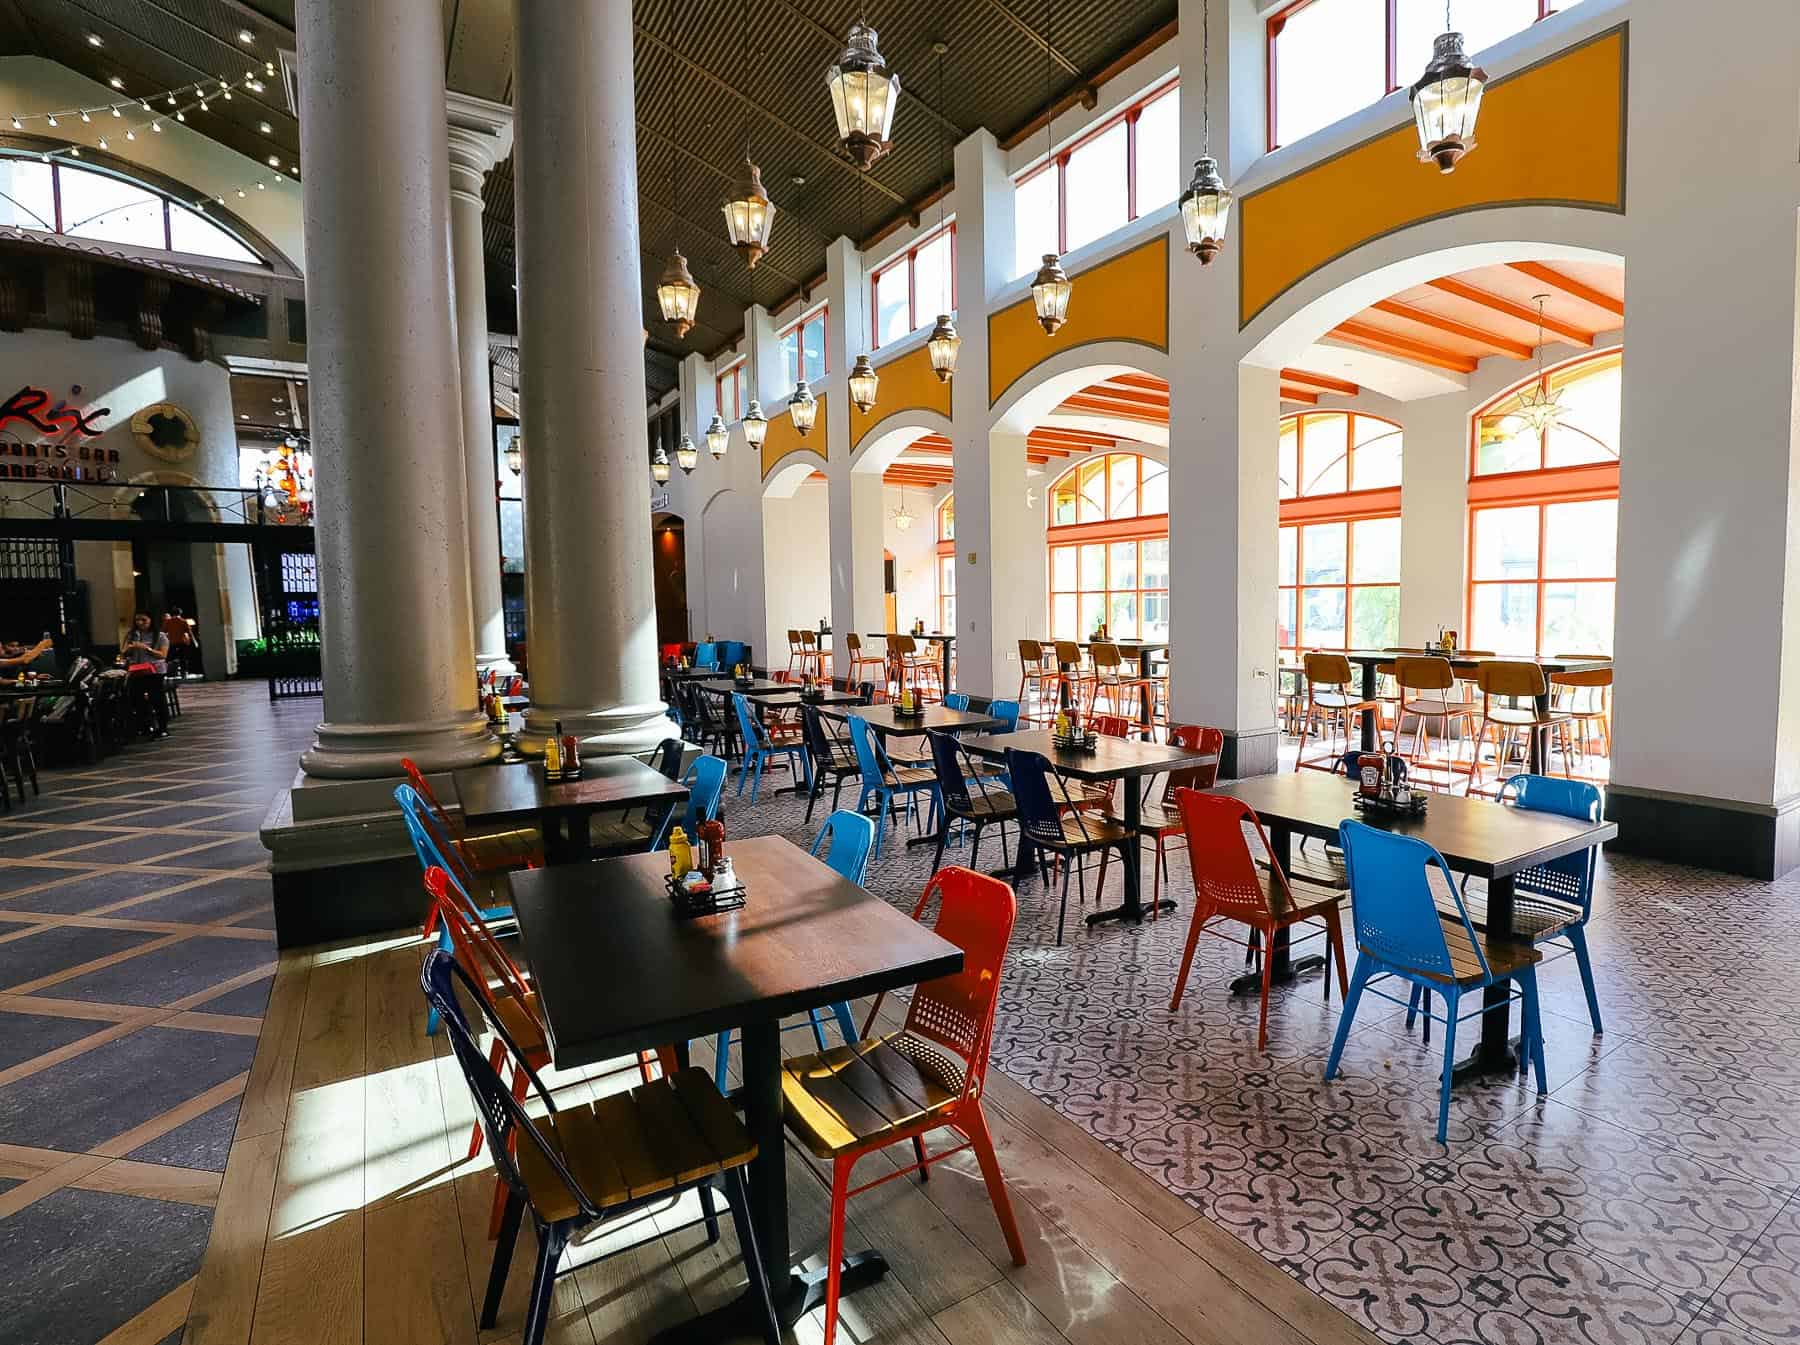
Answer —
392 525
769 378
1434 516
989 469
587 483
856 511
1707 728
1224 424
480 135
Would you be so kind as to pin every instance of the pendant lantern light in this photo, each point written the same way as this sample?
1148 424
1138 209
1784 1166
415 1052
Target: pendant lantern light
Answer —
1206 204
515 454
863 94
1540 407
863 384
943 344
718 438
659 466
756 425
687 457
678 295
748 214
1447 100
903 517
1051 287
802 409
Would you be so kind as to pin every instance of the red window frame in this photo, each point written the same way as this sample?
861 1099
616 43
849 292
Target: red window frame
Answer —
1541 488
1060 162
1278 21
732 376
799 325
908 259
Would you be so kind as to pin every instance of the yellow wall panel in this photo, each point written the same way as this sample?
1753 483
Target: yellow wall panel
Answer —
907 384
1551 134
782 439
1125 298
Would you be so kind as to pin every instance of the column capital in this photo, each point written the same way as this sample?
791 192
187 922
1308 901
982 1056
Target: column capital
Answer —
480 134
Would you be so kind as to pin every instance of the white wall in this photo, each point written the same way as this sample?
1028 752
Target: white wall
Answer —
796 566
915 554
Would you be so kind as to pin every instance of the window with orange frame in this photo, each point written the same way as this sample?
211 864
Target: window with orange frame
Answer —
1338 560
1544 516
946 563
1109 549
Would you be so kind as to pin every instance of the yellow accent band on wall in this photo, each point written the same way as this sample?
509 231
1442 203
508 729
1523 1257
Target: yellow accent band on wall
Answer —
1125 298
1550 134
907 384
783 439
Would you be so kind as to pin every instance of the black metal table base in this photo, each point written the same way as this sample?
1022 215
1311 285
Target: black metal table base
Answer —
1486 1063
1135 914
1250 983
805 1290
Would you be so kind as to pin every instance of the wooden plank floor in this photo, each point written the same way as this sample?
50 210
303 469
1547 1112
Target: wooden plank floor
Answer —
347 1214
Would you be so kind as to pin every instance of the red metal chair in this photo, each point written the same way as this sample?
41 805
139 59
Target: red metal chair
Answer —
1228 885
853 1100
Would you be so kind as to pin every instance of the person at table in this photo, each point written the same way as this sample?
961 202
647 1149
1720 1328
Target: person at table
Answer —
17 657
143 643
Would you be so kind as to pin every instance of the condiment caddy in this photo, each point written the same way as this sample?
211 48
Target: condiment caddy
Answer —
701 878
1381 787
562 757
1069 735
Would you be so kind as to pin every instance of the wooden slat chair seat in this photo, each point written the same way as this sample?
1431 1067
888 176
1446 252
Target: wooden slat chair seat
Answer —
1535 918
1504 958
849 1096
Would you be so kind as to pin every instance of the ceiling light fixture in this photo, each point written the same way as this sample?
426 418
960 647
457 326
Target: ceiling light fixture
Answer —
943 343
264 127
749 214
1206 204
1447 100
246 36
903 517
687 457
93 40
718 437
803 409
1539 406
659 467
864 383
515 454
677 293
1051 286
863 94
116 82
756 425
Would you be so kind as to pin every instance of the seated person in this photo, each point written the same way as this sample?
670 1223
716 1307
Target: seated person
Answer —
143 643
17 657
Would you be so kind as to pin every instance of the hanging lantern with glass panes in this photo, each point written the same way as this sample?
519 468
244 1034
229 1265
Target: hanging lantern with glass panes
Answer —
864 382
678 295
1446 101
942 347
802 409
687 457
1206 210
718 438
1050 293
659 466
863 94
756 425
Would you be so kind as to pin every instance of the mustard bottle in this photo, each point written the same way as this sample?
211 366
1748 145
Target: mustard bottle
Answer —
681 854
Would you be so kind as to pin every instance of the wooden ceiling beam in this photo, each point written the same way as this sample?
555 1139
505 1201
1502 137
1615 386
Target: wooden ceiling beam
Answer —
907 92
1123 392
1301 378
1084 402
1505 345
1463 290
1299 395
1087 94
1570 286
1420 352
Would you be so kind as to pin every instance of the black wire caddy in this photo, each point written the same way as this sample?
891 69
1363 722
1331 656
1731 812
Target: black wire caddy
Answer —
725 891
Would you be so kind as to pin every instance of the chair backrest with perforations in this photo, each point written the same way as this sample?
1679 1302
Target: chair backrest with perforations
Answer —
976 913
1038 815
1110 725
1396 914
1225 871
850 837
1195 738
1007 712
1570 878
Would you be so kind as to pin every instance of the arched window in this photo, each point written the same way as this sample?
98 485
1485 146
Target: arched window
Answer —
1544 516
1109 549
946 563
109 207
1338 563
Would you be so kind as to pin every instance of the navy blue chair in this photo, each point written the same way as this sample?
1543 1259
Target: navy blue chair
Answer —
969 796
1399 935
1049 827
760 749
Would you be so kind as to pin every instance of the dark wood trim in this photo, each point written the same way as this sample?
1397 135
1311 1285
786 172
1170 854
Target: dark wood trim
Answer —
1757 842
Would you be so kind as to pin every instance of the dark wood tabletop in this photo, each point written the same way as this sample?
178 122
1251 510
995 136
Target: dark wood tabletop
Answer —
831 697
883 720
1111 759
616 970
518 790
1462 660
1475 836
759 686
935 637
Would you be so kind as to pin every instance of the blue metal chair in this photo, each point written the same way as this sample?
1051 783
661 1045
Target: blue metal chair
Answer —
1007 712
705 780
706 656
430 854
760 748
850 837
956 700
882 780
1400 934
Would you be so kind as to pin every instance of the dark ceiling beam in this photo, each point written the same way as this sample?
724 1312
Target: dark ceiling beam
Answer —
705 229
1088 94
1007 12
827 152
907 94
237 51
728 176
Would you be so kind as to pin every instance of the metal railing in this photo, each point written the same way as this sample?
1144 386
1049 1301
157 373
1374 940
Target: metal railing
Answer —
126 502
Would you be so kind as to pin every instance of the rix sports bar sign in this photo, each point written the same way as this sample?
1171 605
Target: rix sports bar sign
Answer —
64 455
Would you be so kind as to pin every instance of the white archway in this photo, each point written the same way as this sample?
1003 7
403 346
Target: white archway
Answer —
893 435
1027 402
790 474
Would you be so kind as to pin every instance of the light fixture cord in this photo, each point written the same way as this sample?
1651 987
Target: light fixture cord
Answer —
1206 79
744 61
1049 104
943 184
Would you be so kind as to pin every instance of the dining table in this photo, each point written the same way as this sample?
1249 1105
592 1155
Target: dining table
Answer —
1464 664
726 687
1128 760
517 794
886 721
617 971
944 640
1479 837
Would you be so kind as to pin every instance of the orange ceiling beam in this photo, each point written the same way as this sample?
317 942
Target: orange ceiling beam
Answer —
1462 290
1106 406
1301 378
1125 393
1389 343
1570 286
1518 350
1300 395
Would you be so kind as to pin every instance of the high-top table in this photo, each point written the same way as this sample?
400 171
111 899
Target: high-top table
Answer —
1475 836
887 722
1124 759
517 794
725 687
1140 650
616 972
1464 665
946 643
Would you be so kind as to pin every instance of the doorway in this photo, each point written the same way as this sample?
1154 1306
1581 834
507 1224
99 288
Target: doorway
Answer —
668 552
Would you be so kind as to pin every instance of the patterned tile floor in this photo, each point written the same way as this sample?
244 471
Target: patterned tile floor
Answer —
1650 1198
136 953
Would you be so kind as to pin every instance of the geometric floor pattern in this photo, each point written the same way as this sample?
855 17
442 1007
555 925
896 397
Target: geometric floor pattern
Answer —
136 955
1649 1197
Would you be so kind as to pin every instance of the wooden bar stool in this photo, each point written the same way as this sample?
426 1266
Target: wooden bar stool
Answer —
1511 681
1037 683
860 661
1426 685
1585 697
1330 698
1074 679
811 660
1124 690
796 660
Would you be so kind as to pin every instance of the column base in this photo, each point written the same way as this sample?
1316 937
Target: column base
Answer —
1250 752
499 664
370 751
1755 840
609 731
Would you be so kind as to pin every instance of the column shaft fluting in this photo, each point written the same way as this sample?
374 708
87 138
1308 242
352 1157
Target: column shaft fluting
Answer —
589 588
392 525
